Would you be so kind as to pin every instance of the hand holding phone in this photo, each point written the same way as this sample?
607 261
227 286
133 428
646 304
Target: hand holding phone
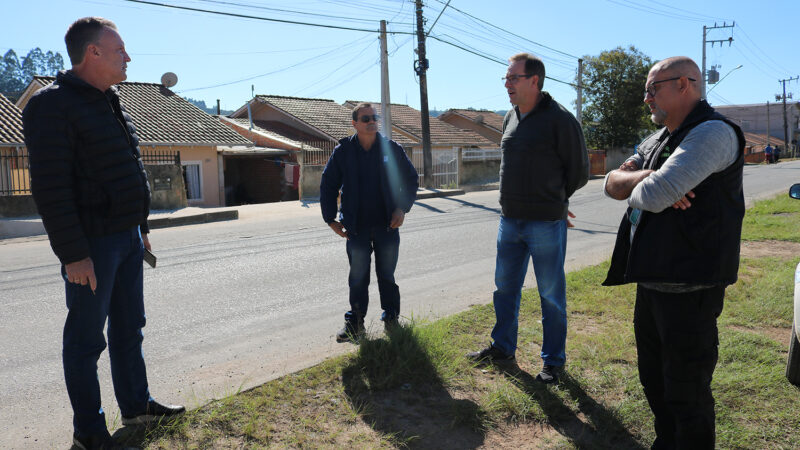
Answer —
150 258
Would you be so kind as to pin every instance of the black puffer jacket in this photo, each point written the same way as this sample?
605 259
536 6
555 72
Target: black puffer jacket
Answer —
87 176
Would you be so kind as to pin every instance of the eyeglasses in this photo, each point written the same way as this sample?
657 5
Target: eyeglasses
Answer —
652 90
367 118
514 78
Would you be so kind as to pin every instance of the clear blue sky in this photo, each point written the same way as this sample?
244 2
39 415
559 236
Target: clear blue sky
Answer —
284 59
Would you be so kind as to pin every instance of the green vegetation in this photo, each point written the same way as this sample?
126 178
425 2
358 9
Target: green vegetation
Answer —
415 387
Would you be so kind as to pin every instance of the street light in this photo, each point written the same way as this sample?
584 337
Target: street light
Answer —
720 80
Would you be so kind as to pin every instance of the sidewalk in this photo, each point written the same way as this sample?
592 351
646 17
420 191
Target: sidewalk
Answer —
32 226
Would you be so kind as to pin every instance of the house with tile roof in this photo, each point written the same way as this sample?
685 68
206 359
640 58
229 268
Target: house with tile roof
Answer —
488 124
166 122
449 144
14 179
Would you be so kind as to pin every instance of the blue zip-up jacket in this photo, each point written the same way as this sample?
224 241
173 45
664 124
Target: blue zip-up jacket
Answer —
398 181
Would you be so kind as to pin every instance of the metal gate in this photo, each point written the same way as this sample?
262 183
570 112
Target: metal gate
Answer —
445 167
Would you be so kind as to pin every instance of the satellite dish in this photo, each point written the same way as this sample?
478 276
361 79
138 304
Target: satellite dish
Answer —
169 79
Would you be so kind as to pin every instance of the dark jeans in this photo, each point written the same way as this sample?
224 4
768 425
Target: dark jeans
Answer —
386 245
117 262
677 343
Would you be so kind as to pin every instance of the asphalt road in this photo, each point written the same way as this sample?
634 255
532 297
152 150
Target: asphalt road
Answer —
234 304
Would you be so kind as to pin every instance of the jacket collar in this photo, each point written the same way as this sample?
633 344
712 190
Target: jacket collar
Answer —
67 77
701 112
543 104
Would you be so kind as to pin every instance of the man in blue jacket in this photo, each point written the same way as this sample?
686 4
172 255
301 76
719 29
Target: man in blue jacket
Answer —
378 186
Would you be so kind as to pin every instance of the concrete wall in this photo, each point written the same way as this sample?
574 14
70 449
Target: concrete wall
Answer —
17 206
479 172
166 186
209 171
616 156
310 177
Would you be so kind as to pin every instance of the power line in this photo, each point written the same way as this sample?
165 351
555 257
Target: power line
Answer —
509 32
280 10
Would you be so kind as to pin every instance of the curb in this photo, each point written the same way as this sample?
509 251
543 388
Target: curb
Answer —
433 193
219 216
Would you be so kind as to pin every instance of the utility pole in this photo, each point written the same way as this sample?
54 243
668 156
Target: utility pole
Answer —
386 127
579 102
785 121
704 75
420 67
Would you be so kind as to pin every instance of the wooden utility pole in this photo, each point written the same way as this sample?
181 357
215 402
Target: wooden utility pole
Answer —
420 67
579 102
386 124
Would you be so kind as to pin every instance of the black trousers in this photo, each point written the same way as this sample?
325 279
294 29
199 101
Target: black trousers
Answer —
677 344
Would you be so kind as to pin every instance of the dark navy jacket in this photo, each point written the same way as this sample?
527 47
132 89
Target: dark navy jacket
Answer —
398 181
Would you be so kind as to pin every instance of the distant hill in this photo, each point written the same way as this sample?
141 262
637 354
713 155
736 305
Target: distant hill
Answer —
211 110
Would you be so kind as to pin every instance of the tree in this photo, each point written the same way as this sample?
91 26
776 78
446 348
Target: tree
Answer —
15 76
615 115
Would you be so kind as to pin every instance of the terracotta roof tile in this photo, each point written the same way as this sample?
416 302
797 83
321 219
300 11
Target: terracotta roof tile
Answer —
10 123
327 116
488 118
161 116
442 133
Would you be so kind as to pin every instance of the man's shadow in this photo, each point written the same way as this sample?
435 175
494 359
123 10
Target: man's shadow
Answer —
394 387
602 429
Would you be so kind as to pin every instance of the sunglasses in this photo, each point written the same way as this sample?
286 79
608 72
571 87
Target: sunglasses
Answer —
367 119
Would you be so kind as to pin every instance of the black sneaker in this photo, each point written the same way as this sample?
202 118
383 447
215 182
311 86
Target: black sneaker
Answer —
351 332
102 441
491 354
155 412
390 325
549 374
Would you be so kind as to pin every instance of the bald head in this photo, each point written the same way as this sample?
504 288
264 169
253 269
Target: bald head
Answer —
679 66
672 90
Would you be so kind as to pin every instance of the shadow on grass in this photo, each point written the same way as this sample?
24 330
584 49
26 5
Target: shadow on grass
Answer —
395 388
603 429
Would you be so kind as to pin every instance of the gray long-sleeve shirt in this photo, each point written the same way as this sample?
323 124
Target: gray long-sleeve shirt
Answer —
709 148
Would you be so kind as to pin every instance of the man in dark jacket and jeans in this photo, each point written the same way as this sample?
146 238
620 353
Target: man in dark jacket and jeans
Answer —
544 162
378 185
91 190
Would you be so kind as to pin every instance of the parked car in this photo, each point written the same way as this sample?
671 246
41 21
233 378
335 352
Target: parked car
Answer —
793 361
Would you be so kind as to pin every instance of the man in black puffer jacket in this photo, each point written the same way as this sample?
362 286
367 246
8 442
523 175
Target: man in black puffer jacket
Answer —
91 190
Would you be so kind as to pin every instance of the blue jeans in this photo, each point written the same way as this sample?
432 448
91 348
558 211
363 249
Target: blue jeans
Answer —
386 245
117 262
546 244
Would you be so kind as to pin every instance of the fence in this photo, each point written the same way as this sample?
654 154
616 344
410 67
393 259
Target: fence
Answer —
159 157
14 174
480 154
316 153
445 167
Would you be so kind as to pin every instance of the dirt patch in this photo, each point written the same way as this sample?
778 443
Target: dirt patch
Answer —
777 334
776 249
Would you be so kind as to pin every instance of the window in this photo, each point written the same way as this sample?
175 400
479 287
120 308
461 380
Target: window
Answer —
193 180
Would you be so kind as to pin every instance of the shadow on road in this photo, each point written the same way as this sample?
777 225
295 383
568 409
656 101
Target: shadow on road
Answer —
394 388
600 429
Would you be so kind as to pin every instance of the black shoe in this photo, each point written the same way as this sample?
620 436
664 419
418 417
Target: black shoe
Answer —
549 374
491 354
390 325
351 332
155 412
102 441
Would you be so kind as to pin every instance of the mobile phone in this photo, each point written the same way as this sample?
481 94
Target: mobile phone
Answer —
150 258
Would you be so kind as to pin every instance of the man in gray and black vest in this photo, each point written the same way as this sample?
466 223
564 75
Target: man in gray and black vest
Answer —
544 162
91 190
679 241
